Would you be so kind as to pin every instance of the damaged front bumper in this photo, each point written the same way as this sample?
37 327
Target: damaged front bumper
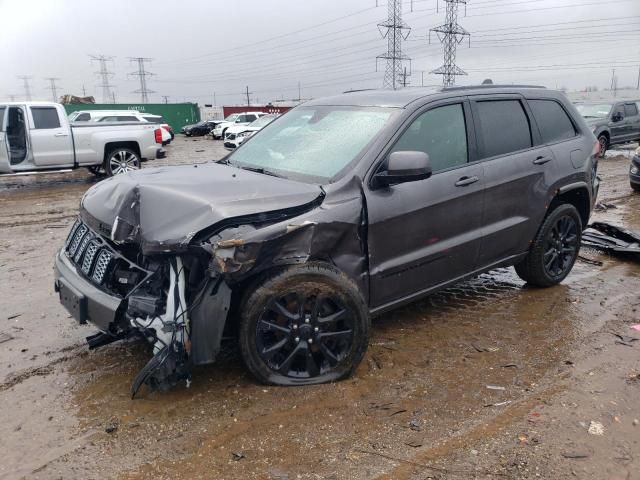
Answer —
84 301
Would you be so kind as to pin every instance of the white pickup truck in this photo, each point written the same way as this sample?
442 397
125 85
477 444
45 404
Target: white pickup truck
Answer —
37 136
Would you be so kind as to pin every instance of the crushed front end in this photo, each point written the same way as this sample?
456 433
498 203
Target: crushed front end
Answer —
124 293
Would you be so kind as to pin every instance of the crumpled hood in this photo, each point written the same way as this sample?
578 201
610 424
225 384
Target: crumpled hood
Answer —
165 207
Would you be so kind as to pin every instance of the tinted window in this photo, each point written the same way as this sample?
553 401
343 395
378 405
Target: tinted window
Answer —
45 117
553 121
630 110
441 133
251 118
504 127
241 119
83 117
124 118
2 109
154 119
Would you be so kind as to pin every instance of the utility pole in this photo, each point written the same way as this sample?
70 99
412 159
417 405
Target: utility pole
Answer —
215 104
84 91
248 98
614 82
638 87
53 87
299 93
27 88
104 74
396 32
142 74
113 97
450 35
165 98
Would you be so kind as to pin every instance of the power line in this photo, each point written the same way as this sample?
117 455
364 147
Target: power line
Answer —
142 74
396 31
25 84
53 87
450 34
104 74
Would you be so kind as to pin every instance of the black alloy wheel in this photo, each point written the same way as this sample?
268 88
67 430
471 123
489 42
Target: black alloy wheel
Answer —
307 324
561 247
304 336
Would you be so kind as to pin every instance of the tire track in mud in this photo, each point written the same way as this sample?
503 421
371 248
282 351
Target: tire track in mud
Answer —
38 221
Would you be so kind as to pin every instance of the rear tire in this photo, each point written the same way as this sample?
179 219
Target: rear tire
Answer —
604 145
304 325
554 250
121 160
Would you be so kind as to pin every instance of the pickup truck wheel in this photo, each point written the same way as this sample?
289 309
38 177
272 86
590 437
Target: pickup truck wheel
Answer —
121 160
306 325
604 145
554 250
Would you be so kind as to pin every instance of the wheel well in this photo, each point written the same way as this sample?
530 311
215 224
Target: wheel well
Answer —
606 134
579 198
110 147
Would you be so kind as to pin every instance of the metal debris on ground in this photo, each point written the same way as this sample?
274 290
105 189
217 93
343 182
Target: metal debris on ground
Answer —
237 456
610 238
495 387
596 428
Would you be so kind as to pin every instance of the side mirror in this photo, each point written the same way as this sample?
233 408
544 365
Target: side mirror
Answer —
403 167
617 117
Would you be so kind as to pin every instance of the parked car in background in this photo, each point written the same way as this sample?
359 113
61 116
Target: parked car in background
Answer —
94 115
341 210
199 129
237 134
167 131
241 119
229 119
613 123
38 136
634 171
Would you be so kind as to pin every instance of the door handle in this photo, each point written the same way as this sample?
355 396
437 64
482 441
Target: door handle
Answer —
541 160
464 181
61 134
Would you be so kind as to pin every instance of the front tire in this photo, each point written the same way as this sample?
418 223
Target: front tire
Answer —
305 325
554 250
635 186
121 160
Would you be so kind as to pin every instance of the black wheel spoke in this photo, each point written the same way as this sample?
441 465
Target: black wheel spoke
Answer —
280 309
340 334
332 318
312 367
551 262
275 326
329 355
285 366
269 352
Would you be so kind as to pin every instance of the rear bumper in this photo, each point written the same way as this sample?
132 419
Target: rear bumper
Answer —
634 170
94 305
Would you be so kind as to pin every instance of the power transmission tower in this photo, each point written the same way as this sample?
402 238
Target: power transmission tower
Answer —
53 87
396 32
165 98
27 88
104 75
450 35
142 74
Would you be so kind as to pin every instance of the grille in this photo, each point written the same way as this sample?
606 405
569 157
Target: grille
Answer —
96 259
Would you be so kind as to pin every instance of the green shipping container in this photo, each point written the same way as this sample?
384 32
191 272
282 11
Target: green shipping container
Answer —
176 114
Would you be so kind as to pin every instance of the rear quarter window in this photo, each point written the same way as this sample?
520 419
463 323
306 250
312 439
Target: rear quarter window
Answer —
83 117
45 118
630 110
504 127
553 122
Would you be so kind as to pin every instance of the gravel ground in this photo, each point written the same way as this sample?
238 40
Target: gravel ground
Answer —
423 404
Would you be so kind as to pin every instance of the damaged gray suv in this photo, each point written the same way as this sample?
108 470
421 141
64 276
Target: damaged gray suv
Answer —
340 210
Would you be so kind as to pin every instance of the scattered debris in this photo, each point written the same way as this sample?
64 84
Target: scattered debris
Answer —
603 206
237 456
112 426
635 422
625 338
590 261
414 425
498 404
575 454
596 428
414 444
610 238
509 365
636 327
5 337
14 316
495 387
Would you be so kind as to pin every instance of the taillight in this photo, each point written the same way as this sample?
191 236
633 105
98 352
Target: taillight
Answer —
158 134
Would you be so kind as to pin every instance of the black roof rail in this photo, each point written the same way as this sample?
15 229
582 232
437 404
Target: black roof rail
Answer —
360 90
471 87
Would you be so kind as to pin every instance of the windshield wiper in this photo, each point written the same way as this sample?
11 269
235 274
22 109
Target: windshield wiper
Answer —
260 170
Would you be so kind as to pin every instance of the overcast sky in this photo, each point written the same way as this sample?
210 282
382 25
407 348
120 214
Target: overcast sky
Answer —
328 46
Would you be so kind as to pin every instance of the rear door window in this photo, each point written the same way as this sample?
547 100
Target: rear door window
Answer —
83 117
45 118
630 110
504 127
553 122
2 110
441 133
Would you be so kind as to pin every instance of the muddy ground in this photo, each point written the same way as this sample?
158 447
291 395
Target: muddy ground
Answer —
490 379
